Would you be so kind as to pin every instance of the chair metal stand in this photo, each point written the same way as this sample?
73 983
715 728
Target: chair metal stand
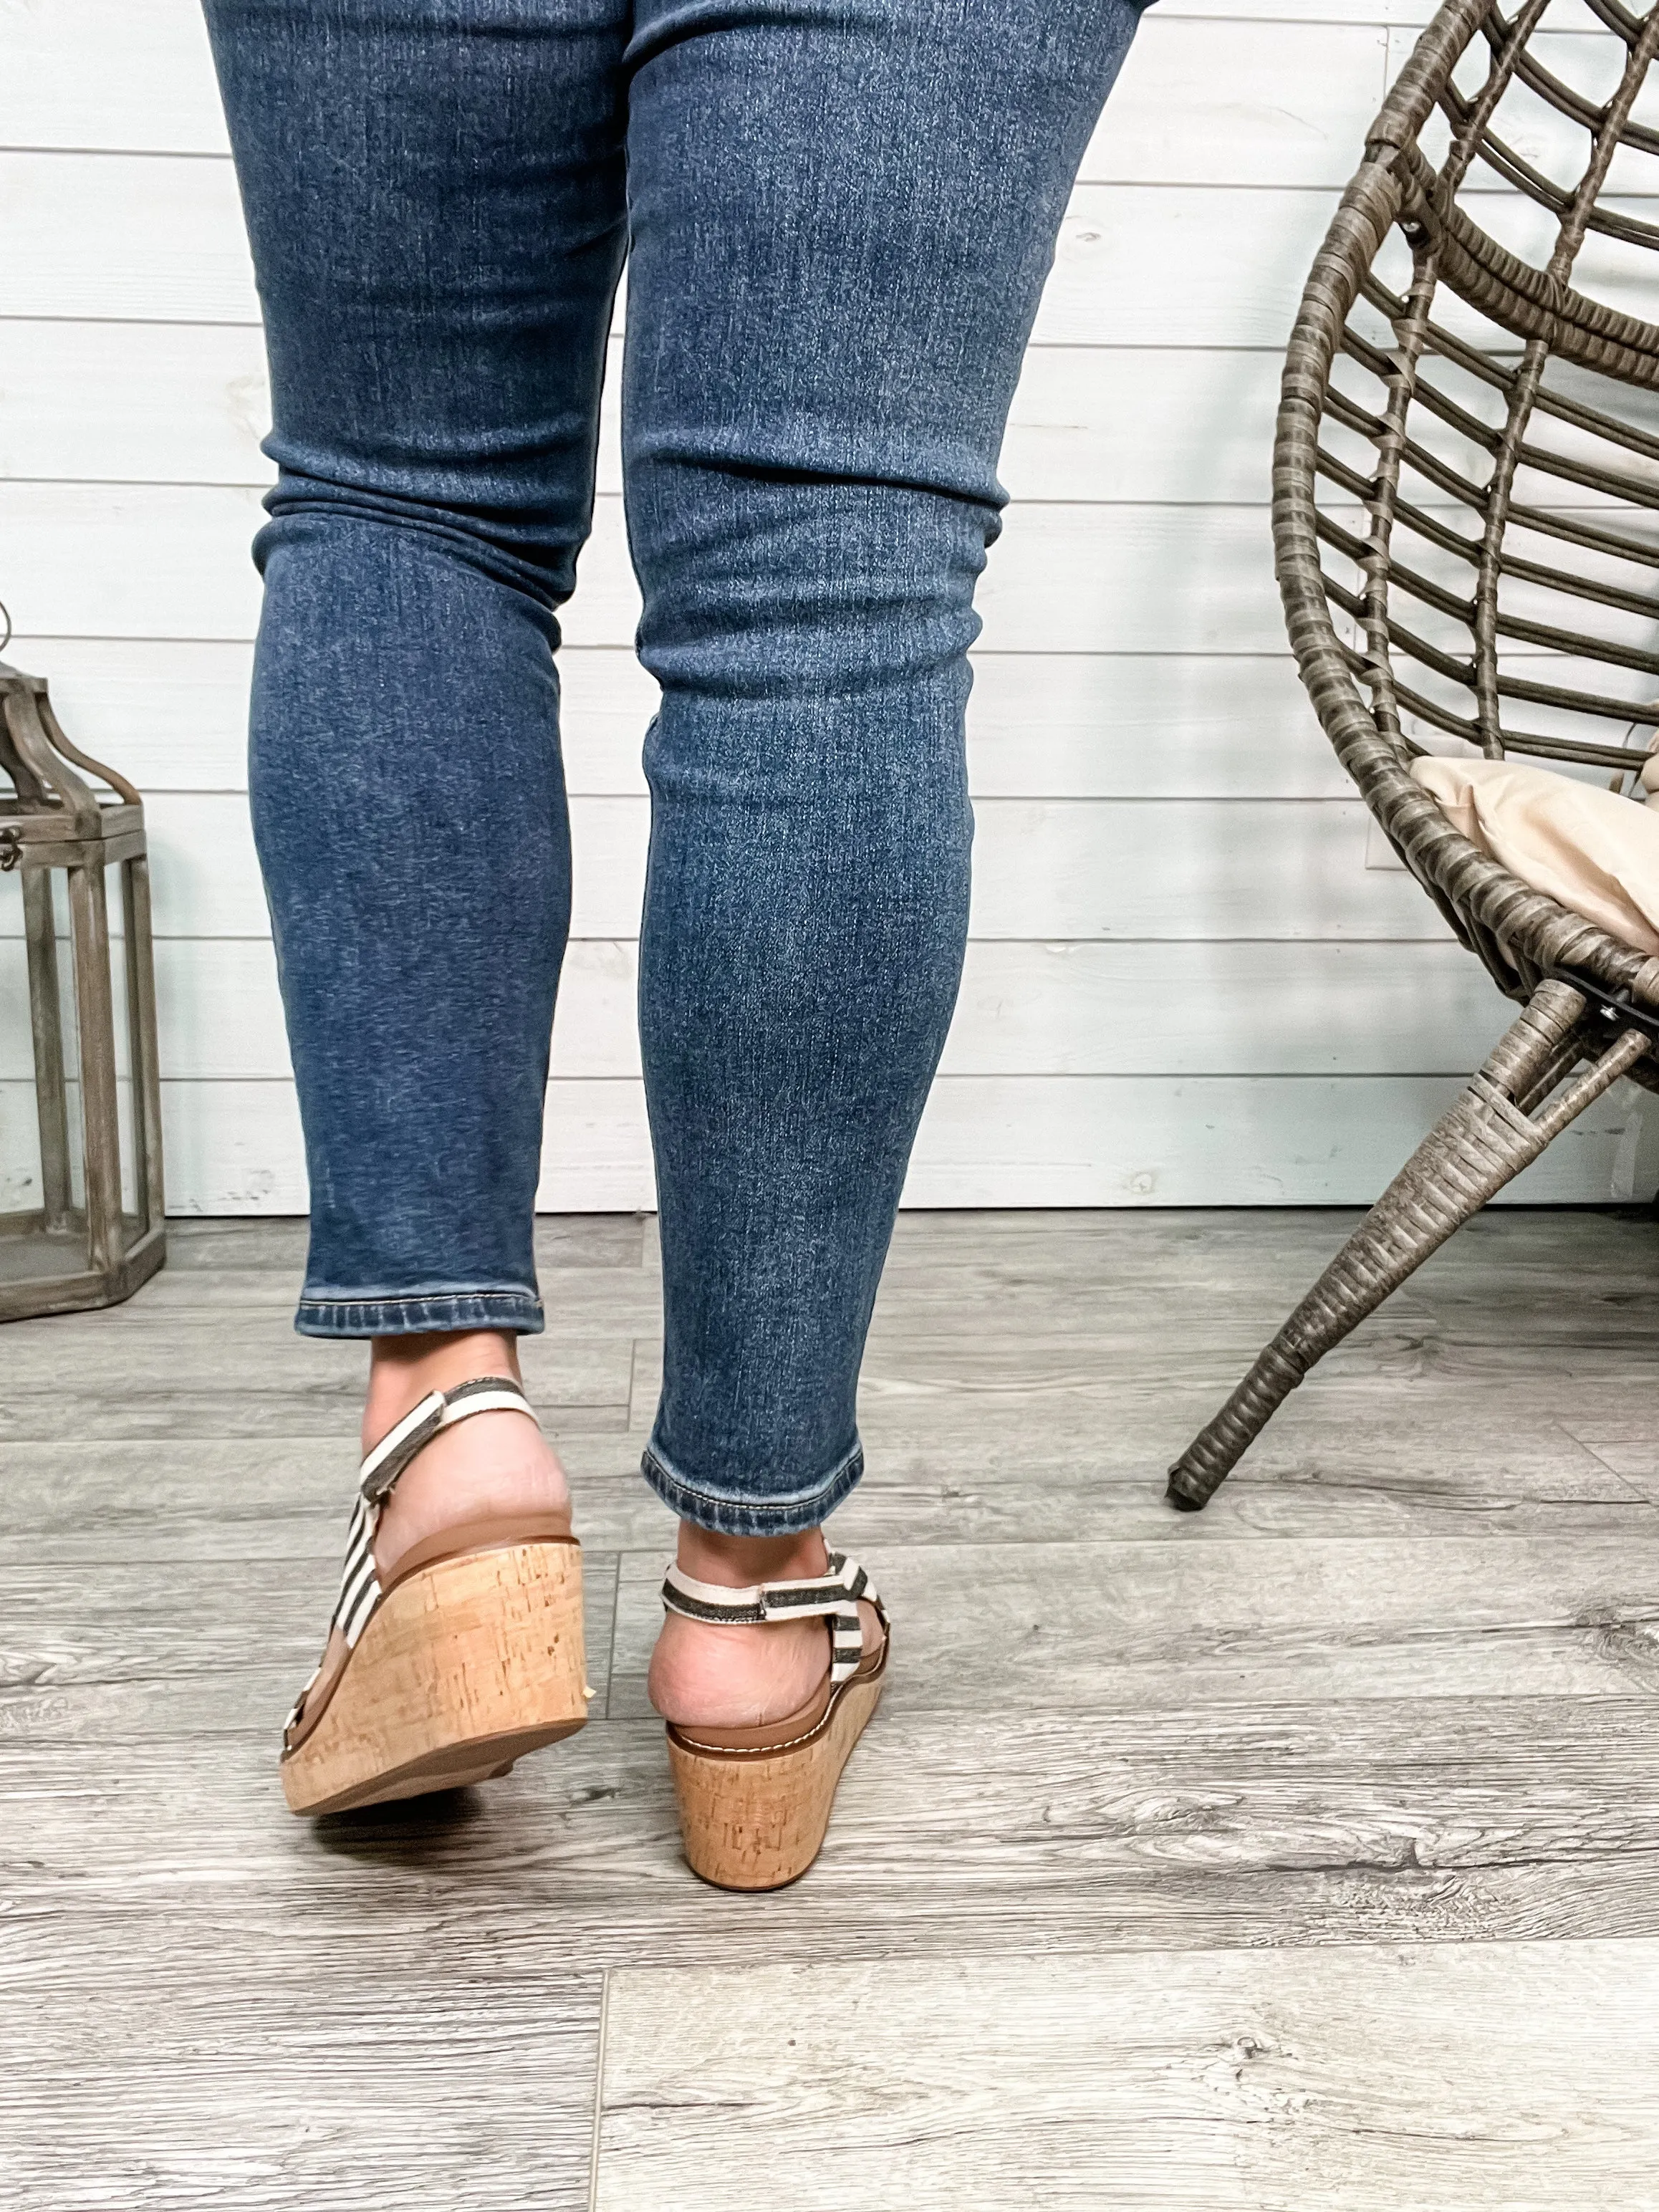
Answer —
1499 1125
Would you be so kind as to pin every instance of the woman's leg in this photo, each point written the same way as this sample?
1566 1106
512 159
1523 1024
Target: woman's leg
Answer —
434 194
842 213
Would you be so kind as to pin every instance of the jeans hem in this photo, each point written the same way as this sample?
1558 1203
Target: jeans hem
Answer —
726 1516
514 1312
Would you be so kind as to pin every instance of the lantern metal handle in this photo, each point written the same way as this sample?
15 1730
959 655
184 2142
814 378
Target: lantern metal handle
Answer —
37 756
54 730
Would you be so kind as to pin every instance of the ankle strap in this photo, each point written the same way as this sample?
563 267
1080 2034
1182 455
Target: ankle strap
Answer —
835 1595
485 1394
360 1589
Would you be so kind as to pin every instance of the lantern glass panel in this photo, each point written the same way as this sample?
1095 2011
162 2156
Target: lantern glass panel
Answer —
120 999
19 1133
43 1228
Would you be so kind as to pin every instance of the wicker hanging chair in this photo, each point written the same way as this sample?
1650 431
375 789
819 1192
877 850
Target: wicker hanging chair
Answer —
1466 527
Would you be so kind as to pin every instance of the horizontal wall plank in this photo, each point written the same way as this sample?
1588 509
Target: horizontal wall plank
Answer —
143 403
1198 100
184 405
1379 12
1192 869
103 72
1262 1140
1040 725
108 73
236 1148
170 561
986 1140
1151 423
1182 266
1276 91
1156 260
1043 868
1145 726
125 237
1222 1008
1042 1009
1415 15
1216 102
187 404
1132 579
172 714
133 560
152 239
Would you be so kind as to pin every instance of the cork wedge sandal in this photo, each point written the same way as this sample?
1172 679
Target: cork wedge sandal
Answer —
755 1802
469 1657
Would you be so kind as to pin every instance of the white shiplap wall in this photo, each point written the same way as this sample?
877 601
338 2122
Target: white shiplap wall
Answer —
1185 987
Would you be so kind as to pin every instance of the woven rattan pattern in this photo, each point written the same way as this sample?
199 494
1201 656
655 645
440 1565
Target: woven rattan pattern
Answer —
1465 517
1466 524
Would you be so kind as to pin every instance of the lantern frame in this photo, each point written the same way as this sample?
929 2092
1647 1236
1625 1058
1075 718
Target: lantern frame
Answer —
61 1256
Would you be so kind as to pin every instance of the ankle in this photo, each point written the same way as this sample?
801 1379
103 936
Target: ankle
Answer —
704 1673
497 1465
737 1562
403 1370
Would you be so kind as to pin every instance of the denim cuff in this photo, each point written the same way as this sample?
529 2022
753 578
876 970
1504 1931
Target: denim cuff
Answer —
729 1516
514 1312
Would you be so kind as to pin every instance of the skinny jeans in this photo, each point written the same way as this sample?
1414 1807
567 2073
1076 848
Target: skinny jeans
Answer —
837 217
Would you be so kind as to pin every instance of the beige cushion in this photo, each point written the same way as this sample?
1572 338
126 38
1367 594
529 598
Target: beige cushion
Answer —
1591 850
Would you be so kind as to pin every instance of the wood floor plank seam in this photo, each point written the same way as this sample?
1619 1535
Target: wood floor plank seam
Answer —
1625 1482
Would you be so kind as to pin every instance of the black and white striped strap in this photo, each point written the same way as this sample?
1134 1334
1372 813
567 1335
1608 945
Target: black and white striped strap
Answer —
359 1590
834 1595
441 1409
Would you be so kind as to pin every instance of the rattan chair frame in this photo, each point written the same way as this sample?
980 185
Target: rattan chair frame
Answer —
1367 653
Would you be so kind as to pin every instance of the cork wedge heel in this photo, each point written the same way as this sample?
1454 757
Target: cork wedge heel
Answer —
470 1655
754 1804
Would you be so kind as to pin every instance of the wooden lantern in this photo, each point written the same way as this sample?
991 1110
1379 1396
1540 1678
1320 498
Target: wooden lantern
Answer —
95 1227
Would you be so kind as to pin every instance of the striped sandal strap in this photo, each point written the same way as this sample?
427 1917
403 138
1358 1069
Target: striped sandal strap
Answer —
359 1592
834 1596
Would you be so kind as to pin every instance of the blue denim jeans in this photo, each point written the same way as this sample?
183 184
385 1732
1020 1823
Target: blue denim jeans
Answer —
837 216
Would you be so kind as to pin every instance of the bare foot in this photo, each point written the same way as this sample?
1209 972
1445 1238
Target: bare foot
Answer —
708 1676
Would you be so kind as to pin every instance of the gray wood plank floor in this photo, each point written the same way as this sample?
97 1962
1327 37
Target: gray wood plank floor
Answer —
1301 1853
